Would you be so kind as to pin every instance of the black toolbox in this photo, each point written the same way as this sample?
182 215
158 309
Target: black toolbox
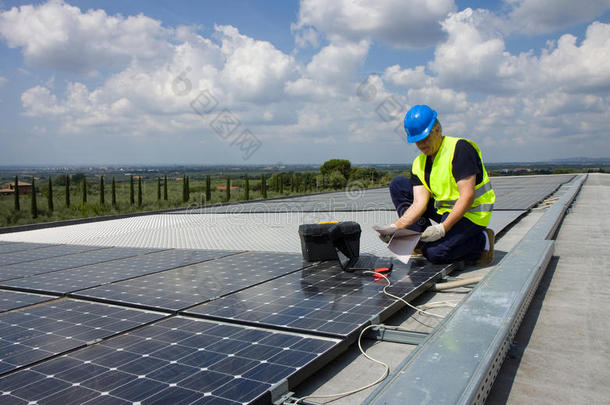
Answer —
318 241
346 237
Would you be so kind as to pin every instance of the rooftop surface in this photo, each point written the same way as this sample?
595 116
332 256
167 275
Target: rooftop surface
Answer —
216 305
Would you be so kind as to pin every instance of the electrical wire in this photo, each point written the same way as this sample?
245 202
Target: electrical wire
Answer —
386 371
346 393
398 298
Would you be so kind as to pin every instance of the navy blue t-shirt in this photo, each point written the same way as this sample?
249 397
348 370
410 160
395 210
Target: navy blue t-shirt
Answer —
466 162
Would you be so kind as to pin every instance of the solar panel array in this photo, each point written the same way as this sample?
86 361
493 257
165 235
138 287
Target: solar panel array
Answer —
193 326
85 351
43 253
186 286
41 266
323 299
174 361
13 299
65 281
32 334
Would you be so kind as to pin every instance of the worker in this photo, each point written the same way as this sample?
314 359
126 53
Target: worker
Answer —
448 185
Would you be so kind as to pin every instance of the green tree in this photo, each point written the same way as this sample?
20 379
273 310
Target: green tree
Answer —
208 188
246 188
102 191
139 191
228 189
337 180
50 196
188 188
184 189
34 208
78 178
281 179
341 165
84 190
60 180
165 188
263 186
16 194
114 204
294 184
67 191
158 188
131 191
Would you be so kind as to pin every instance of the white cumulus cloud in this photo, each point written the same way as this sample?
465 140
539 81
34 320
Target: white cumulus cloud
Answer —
56 35
400 23
542 16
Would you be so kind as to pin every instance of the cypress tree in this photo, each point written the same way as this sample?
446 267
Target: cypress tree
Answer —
16 194
139 191
228 189
208 188
34 209
281 183
131 191
102 191
184 188
50 196
165 188
67 190
84 190
263 186
158 188
247 188
188 188
114 205
295 183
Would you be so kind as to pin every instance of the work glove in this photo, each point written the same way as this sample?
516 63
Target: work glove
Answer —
385 238
433 233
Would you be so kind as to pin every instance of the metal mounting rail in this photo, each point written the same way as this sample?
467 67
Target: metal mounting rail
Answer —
458 363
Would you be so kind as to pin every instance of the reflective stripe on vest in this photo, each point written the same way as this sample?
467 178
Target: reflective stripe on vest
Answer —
477 193
443 186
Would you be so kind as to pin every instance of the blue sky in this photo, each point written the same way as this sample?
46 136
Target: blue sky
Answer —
178 82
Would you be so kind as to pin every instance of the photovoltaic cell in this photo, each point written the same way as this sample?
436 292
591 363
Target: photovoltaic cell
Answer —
180 288
174 361
65 281
43 253
322 299
69 261
12 299
32 334
18 246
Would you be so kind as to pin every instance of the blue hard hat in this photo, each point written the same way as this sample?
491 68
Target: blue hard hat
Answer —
419 121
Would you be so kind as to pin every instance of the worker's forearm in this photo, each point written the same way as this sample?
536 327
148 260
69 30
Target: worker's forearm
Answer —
411 215
460 208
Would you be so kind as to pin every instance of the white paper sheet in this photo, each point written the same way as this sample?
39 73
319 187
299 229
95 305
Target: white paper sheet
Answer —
402 243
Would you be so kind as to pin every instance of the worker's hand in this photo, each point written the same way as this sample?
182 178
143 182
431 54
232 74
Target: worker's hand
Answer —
385 237
433 233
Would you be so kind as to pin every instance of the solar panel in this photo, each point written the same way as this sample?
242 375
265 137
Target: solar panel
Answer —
43 253
322 299
18 246
174 361
65 281
12 299
180 288
32 334
69 261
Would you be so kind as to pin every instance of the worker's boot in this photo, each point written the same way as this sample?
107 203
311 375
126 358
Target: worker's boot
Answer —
487 257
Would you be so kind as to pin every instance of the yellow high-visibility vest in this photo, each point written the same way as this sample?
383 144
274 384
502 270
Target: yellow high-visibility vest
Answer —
443 186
